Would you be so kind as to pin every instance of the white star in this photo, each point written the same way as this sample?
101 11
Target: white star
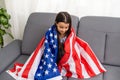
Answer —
54 70
54 46
38 74
52 55
49 29
52 40
46 41
49 65
46 72
55 64
41 67
46 56
42 60
44 63
51 60
48 49
51 35
55 36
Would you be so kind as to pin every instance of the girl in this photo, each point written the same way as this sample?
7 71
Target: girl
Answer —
63 24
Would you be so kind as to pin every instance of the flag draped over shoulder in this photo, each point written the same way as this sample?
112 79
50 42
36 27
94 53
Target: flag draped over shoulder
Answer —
79 61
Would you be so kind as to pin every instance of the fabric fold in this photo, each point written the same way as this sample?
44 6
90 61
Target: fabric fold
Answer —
79 61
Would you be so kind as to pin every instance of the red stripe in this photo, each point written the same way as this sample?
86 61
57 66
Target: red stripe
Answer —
69 73
67 48
15 65
77 64
90 53
67 53
76 59
28 67
89 70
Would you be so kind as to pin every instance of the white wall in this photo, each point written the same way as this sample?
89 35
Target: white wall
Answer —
21 9
2 4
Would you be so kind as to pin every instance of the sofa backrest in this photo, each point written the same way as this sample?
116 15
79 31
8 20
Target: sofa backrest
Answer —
103 35
36 26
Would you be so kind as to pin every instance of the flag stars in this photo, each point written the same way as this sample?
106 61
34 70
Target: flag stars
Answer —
38 74
52 41
42 60
46 56
46 72
48 49
55 64
46 41
54 70
51 60
41 67
54 46
52 55
51 35
49 29
49 65
55 36
44 63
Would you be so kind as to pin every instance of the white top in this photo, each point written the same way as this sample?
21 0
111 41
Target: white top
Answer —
62 40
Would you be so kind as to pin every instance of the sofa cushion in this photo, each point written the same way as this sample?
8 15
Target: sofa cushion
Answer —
96 40
5 75
9 53
112 52
35 28
98 77
113 73
100 23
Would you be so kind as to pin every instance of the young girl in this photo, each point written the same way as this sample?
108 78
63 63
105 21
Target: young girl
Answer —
60 55
63 25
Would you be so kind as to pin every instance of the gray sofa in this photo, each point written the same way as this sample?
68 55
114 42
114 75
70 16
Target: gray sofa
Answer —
102 33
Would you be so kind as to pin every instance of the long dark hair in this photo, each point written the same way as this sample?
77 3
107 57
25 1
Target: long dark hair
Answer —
62 17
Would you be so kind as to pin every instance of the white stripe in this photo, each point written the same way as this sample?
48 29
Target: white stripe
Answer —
101 66
63 71
79 50
84 72
16 77
36 63
56 78
90 61
23 68
94 54
71 60
12 74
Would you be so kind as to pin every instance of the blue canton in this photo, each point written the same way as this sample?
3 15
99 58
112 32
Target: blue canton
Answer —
47 67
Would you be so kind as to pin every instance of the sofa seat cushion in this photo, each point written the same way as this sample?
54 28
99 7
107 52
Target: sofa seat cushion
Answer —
112 54
20 59
98 77
96 40
113 72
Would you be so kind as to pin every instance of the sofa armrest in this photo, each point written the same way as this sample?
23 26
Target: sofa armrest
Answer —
9 53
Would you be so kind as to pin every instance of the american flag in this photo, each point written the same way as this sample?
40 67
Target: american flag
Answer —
79 61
